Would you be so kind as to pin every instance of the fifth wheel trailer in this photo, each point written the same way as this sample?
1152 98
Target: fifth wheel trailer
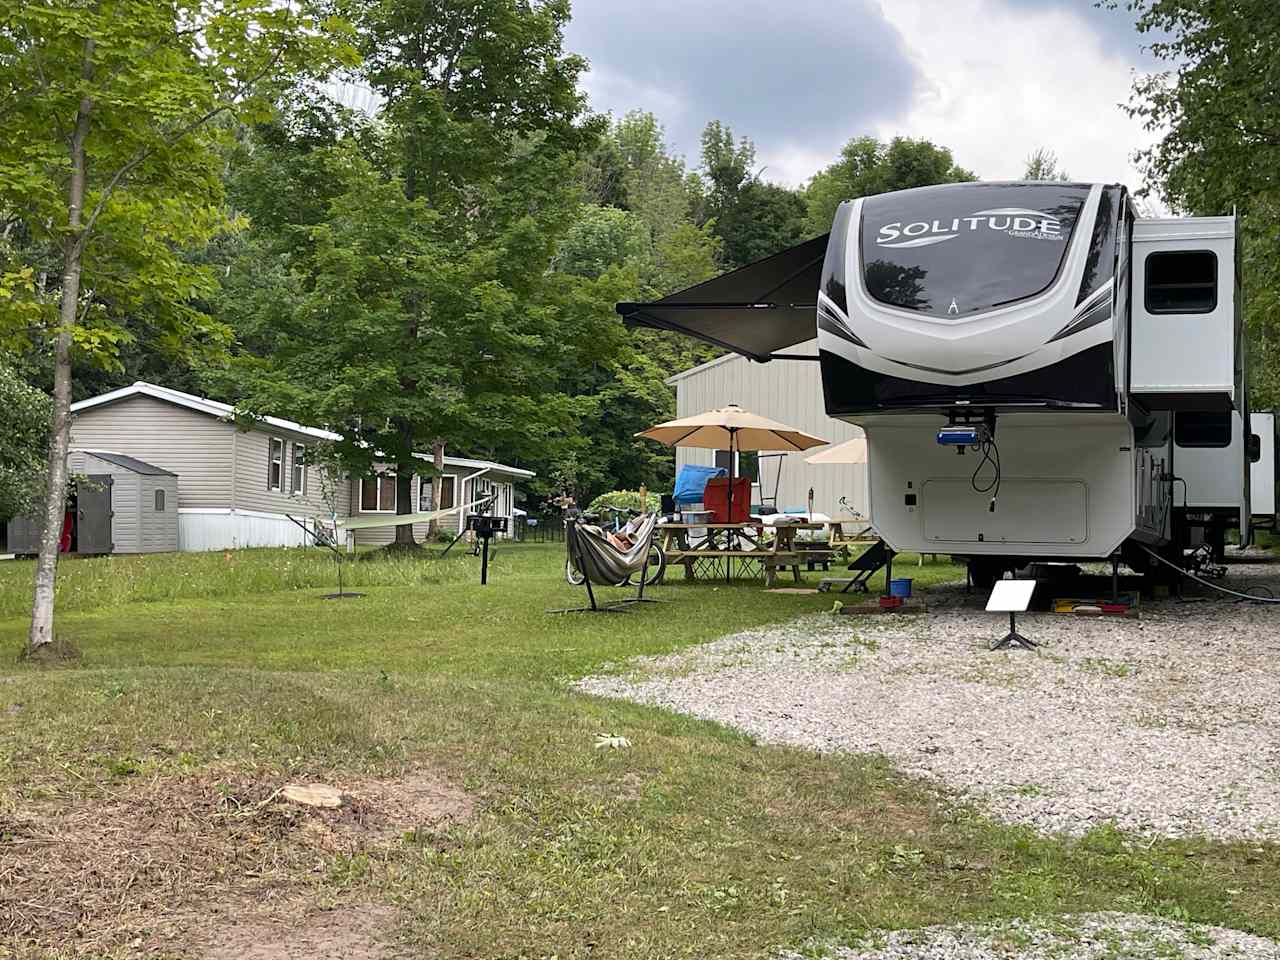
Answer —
1015 352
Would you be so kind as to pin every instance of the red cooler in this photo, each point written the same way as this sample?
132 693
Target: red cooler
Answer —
716 499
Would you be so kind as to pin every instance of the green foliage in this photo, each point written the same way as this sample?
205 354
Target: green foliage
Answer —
149 83
753 218
396 281
24 425
867 166
625 500
1216 114
1042 164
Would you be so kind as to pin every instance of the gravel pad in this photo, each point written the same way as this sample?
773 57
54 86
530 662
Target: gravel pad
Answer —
1094 936
1168 725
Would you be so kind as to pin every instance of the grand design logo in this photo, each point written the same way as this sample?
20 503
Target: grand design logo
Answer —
1015 221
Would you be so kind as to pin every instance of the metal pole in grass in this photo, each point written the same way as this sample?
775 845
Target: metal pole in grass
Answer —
323 540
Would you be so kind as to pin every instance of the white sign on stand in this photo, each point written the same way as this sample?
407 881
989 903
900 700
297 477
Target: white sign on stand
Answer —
1012 597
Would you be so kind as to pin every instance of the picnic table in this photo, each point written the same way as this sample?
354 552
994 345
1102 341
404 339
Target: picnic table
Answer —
710 549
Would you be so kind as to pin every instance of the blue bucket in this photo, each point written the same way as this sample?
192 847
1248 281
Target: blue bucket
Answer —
900 588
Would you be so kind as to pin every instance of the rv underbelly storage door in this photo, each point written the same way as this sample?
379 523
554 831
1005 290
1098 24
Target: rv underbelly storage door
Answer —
1185 335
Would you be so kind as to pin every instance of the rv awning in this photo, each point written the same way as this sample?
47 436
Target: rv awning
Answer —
756 310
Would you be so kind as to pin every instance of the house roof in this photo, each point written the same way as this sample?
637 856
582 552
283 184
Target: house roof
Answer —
683 374
130 463
468 464
227 412
214 408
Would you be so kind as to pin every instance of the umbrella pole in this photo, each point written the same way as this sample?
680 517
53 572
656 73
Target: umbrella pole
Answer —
730 539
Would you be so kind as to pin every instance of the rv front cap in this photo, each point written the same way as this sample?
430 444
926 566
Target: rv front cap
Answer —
1014 221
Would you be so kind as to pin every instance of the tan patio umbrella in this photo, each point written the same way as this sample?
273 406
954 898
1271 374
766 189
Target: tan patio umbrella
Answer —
731 428
734 429
851 451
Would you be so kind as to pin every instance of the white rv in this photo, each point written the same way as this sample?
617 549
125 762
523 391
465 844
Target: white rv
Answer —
1016 353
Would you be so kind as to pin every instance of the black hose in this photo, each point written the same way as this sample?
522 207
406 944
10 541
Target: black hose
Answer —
1212 586
990 455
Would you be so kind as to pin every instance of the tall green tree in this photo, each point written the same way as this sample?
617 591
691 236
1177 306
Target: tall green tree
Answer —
411 299
752 217
867 166
1217 117
111 111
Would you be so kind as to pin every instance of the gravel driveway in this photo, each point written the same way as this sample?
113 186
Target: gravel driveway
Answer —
1095 936
1167 725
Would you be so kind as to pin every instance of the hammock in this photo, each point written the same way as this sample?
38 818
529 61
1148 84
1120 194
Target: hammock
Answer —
601 562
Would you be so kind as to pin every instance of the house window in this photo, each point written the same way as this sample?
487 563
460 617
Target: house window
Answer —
275 463
1182 281
299 464
744 463
159 501
378 494
446 494
1202 429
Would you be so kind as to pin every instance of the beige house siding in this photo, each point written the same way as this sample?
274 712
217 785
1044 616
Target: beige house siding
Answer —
789 391
251 491
464 493
380 536
193 445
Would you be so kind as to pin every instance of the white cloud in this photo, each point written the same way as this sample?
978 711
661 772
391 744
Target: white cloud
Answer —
999 83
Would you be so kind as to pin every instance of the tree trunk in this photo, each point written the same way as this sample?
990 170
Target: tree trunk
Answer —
437 482
404 487
56 482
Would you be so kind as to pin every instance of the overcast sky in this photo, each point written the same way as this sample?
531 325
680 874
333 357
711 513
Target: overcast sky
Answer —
991 79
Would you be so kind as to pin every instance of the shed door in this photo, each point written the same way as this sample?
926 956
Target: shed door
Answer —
24 535
93 515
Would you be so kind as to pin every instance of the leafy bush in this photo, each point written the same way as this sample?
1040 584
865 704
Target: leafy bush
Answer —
624 500
24 424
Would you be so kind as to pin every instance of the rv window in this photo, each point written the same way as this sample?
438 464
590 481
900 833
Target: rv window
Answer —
1182 281
1202 429
960 249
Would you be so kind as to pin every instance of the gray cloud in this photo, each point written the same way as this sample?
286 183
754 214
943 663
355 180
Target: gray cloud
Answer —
1114 27
802 75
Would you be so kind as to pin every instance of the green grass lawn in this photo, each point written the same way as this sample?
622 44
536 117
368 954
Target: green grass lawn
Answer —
207 673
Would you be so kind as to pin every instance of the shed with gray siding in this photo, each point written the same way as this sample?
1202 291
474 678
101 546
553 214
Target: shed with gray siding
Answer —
789 391
144 500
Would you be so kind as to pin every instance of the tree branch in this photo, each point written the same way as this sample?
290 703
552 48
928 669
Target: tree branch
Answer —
107 191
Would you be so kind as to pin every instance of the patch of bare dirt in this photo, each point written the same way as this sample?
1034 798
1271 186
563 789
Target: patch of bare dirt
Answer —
145 864
359 931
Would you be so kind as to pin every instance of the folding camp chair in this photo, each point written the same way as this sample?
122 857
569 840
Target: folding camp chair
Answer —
865 566
601 562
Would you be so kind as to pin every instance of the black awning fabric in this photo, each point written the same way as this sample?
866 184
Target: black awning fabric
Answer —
756 310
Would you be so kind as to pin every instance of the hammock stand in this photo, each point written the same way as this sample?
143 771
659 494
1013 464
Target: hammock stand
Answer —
602 563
